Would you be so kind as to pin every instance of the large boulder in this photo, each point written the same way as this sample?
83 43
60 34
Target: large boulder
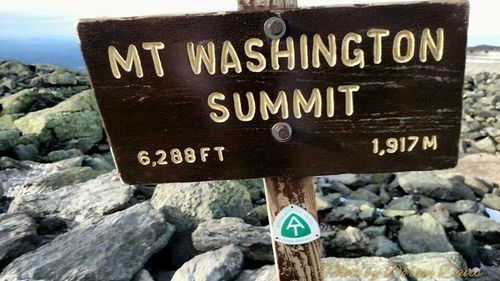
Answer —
185 205
221 265
17 236
431 185
415 267
255 241
423 233
74 123
114 248
78 203
29 100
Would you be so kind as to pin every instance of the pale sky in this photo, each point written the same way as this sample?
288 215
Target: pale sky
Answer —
55 18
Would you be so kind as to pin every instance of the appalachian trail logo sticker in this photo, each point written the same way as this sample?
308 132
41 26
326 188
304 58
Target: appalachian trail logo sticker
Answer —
295 226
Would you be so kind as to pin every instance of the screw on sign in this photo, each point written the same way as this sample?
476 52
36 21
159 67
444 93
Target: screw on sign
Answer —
293 93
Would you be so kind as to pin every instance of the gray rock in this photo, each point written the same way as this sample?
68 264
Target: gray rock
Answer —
59 155
491 201
383 247
465 244
339 188
142 275
187 204
463 206
441 214
481 226
431 185
29 100
353 180
26 152
375 231
337 269
486 144
348 213
85 202
363 194
328 201
8 139
17 236
431 266
114 248
9 163
74 123
421 234
350 242
404 203
60 78
255 241
221 265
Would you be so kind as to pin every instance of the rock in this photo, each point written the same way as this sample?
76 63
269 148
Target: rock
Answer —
261 213
17 236
142 275
325 202
353 180
187 204
99 162
53 181
397 213
337 269
479 186
350 242
59 155
74 123
29 100
221 265
367 212
265 273
431 185
9 163
486 144
61 78
348 213
114 248
421 234
363 194
463 206
255 241
375 231
8 139
339 188
383 247
441 214
481 226
404 203
491 201
465 244
431 266
26 152
85 202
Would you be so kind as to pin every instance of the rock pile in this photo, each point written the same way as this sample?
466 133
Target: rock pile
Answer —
65 215
481 113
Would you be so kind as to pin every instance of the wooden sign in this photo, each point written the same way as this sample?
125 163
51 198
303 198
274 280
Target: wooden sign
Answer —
357 89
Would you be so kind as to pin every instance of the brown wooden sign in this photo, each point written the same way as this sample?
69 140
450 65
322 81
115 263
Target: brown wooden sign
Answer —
363 88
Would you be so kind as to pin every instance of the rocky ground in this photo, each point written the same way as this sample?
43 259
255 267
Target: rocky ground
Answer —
65 215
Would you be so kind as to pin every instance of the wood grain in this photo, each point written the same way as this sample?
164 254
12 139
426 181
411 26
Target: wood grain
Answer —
294 262
395 100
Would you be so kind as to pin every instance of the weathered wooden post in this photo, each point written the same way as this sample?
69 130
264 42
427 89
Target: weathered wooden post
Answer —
281 93
301 261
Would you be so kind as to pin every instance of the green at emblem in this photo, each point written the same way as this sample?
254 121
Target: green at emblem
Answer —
294 225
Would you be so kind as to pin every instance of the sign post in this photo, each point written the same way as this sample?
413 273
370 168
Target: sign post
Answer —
284 94
294 261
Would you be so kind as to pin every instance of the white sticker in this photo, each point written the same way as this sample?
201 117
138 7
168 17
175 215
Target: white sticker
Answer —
294 226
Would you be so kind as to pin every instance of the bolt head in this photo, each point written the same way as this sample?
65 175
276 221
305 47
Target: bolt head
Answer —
274 27
282 132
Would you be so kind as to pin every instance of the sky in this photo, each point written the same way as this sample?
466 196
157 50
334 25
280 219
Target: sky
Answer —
57 18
